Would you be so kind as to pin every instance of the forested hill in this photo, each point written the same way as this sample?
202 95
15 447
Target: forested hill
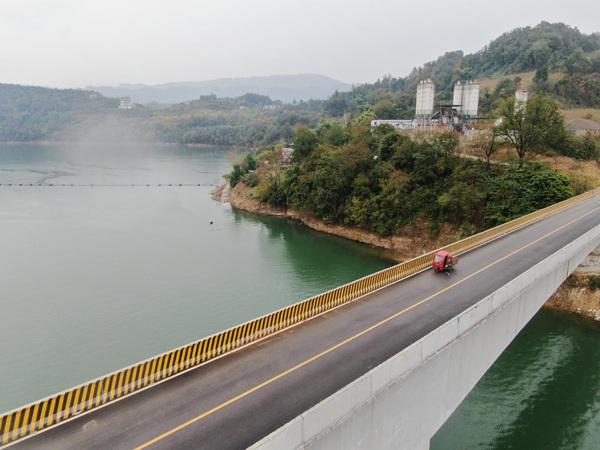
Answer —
285 88
546 48
41 114
555 46
566 64
29 113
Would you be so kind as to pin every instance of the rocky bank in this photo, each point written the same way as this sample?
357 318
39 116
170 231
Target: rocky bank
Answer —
573 296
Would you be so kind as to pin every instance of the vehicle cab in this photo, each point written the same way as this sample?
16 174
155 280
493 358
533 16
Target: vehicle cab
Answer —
442 260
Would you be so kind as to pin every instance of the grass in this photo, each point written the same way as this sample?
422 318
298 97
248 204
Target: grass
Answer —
585 113
527 82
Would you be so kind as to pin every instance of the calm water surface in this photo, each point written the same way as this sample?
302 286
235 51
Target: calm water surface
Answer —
102 274
542 393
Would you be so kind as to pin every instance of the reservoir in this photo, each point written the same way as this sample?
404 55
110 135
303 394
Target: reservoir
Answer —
543 392
111 255
110 261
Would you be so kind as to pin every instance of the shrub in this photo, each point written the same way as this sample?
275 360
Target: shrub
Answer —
251 179
594 282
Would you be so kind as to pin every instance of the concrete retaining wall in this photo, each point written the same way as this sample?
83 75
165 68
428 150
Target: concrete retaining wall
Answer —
404 401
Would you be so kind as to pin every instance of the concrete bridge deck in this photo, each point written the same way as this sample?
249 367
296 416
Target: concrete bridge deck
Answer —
236 400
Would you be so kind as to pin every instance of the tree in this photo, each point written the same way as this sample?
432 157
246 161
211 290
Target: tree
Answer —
386 145
523 189
486 140
541 76
336 105
304 143
532 126
385 109
587 147
331 133
247 164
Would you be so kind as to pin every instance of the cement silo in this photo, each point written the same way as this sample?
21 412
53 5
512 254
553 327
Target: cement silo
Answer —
466 98
471 99
457 100
425 98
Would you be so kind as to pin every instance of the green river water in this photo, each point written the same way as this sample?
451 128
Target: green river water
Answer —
111 261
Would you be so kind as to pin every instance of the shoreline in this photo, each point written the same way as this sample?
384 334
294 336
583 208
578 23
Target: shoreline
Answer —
126 143
398 248
573 296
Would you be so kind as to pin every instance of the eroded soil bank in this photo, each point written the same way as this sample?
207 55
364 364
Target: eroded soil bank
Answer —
573 296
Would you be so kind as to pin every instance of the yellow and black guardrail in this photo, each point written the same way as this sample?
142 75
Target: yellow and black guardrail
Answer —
50 411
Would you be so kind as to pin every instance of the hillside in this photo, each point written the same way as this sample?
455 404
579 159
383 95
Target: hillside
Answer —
29 113
285 88
41 114
248 112
530 48
559 61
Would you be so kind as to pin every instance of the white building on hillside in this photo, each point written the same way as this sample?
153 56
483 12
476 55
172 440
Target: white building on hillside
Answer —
126 103
400 124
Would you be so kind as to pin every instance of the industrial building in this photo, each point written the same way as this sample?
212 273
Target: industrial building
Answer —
400 124
462 111
581 126
466 99
456 115
126 103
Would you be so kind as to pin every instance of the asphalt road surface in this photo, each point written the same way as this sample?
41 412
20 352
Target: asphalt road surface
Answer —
235 401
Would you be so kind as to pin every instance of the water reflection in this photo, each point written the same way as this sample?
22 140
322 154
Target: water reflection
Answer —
318 258
95 278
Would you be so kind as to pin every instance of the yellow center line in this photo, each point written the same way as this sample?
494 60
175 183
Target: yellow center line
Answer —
352 338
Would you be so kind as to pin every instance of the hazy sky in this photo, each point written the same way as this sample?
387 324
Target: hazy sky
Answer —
76 43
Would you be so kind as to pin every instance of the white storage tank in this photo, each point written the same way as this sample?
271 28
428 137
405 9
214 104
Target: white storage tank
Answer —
466 98
457 100
470 99
425 99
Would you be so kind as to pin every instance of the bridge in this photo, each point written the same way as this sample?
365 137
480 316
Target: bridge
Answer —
379 363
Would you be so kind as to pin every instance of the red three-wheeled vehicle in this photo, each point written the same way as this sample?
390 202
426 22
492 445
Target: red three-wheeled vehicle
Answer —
443 261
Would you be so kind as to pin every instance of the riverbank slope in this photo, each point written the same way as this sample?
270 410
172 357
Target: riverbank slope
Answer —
573 296
412 242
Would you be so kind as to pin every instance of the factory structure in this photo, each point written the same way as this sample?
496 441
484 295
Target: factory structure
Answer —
461 112
466 99
425 101
456 115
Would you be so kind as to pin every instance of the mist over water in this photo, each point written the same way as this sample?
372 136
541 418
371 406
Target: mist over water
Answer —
98 274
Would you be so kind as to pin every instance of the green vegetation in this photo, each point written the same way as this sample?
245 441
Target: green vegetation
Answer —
594 282
250 120
34 114
243 171
533 126
546 48
343 172
383 181
566 64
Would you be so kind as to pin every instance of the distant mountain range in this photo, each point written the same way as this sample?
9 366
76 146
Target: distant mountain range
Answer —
285 88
